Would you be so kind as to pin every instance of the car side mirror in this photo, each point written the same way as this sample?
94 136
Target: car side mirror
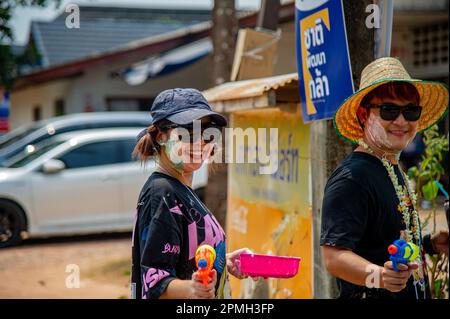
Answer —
53 166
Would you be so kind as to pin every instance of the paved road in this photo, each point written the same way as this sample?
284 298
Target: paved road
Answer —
37 268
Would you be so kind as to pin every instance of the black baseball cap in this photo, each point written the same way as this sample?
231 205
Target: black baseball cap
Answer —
182 106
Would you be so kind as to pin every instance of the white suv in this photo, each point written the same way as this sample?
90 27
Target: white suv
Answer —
75 183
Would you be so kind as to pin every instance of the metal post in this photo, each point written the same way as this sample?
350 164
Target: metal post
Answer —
383 34
268 15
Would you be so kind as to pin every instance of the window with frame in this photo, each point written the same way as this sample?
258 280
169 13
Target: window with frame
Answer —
127 150
94 154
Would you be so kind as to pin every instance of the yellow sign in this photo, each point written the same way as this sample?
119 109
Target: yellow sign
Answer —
271 213
309 23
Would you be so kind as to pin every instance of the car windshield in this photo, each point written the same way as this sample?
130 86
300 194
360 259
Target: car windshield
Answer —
17 134
23 159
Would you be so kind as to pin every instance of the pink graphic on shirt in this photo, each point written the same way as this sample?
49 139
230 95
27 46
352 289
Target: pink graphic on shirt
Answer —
172 249
214 234
152 277
176 210
192 231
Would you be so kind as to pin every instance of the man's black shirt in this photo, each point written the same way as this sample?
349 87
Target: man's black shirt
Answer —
361 212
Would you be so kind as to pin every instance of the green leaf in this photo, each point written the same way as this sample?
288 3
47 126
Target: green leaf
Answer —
424 176
413 172
430 190
437 289
426 161
434 168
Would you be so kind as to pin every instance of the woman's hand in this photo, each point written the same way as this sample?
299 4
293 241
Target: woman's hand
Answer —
440 242
200 291
395 281
233 263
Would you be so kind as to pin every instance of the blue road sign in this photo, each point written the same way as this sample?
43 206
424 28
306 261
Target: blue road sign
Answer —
323 62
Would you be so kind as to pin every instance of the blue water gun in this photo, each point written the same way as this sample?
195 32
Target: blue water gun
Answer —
402 252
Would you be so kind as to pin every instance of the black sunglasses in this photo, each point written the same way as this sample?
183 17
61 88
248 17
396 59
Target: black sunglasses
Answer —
190 128
390 112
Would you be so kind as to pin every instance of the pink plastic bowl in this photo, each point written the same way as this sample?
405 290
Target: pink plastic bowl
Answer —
255 265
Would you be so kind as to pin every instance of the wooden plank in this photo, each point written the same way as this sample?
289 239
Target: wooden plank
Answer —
266 100
255 55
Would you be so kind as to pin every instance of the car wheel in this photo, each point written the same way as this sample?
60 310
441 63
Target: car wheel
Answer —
12 223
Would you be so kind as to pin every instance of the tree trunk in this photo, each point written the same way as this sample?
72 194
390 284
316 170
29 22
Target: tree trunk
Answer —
327 148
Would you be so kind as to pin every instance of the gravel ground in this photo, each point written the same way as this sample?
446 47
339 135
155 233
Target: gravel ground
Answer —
37 269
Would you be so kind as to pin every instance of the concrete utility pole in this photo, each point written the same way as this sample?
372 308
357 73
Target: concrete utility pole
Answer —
327 148
225 27
224 31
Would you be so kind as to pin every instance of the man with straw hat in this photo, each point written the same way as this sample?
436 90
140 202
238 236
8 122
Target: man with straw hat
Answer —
368 201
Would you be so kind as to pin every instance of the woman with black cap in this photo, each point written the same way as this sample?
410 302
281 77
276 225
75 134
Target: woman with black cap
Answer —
171 221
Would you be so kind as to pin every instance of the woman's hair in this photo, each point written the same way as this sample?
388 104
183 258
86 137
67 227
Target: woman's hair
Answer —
148 146
393 90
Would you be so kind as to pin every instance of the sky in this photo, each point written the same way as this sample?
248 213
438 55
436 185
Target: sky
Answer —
22 17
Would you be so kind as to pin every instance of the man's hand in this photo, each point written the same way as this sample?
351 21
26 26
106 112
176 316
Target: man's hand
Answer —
395 281
440 242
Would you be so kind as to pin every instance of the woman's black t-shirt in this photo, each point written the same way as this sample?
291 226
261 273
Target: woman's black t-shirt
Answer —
170 223
360 212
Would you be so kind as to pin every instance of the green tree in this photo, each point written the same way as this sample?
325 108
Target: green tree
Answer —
8 62
425 174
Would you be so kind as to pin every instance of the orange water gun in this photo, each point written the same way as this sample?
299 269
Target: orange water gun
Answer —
204 259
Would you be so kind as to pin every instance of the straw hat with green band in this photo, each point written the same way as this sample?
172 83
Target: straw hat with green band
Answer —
433 97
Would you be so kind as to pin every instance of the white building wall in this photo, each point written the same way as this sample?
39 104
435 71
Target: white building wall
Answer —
24 100
97 85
